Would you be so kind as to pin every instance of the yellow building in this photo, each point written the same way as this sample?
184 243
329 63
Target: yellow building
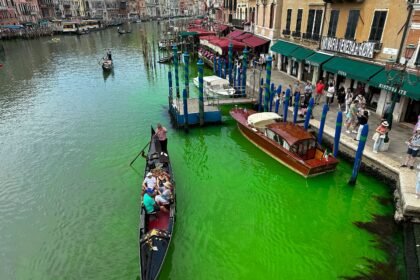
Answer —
345 42
268 18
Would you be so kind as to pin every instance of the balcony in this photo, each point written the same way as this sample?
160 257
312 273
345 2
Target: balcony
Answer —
311 36
296 34
286 32
377 47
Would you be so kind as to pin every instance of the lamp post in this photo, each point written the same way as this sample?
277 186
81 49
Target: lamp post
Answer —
396 77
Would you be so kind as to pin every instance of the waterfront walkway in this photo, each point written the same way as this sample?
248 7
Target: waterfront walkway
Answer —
391 159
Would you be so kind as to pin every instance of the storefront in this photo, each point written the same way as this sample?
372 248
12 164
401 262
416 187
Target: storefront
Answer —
407 107
315 61
298 56
285 49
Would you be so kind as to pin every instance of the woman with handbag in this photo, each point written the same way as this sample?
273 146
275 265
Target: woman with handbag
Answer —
413 149
379 136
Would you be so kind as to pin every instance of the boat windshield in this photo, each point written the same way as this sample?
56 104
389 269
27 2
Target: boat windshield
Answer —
306 149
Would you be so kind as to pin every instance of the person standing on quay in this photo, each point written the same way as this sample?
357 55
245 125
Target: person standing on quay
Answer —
319 91
161 134
413 149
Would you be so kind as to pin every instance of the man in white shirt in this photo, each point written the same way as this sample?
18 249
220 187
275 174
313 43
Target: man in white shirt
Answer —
149 183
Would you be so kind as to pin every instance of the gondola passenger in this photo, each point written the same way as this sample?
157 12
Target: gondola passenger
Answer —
149 184
149 203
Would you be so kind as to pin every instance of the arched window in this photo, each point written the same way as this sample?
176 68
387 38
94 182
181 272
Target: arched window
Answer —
234 5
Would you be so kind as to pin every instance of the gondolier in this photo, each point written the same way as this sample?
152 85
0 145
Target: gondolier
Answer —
161 135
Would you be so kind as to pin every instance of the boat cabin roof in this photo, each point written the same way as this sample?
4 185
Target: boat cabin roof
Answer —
261 120
215 80
290 132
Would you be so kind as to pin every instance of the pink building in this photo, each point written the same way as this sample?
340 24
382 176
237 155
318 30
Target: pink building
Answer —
27 10
7 13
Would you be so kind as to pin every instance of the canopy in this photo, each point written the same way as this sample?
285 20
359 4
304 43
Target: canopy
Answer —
262 119
301 54
254 41
350 68
318 58
380 80
234 34
201 31
184 34
243 36
12 26
284 48
221 45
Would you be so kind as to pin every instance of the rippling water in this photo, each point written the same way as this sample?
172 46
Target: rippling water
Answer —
69 200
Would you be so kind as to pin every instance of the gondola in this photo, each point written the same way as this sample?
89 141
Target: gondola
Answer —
107 64
155 231
165 59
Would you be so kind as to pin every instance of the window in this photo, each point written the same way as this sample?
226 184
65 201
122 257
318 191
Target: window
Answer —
271 15
352 24
314 24
288 19
332 28
299 20
377 26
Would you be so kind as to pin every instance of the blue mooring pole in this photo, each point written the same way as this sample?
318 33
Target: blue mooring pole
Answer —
309 113
200 65
286 105
219 67
230 54
214 65
272 93
359 154
185 101
267 82
322 124
186 72
175 52
296 108
234 76
338 125
244 68
260 97
170 89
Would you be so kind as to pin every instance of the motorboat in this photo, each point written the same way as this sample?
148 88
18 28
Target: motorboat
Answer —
214 86
156 229
288 143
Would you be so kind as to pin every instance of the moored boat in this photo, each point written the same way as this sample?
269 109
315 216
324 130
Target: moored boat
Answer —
156 228
214 86
166 59
288 143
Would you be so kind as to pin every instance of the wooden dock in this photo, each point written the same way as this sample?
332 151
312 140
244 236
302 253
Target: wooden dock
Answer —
212 113
230 101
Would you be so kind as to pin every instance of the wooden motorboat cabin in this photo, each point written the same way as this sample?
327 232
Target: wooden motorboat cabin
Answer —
286 142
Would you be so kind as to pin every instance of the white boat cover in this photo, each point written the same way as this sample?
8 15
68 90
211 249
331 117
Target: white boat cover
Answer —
262 119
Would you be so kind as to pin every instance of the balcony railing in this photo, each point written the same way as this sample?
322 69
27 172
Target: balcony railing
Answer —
311 36
296 34
378 46
286 32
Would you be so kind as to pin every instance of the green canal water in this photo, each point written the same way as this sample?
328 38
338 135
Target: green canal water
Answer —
69 201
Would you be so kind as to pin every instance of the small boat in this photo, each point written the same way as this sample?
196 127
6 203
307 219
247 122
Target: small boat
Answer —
215 86
156 229
165 59
121 32
288 143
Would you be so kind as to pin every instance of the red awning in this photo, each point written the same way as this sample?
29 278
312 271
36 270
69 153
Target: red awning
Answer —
243 36
201 32
234 34
222 27
223 44
254 41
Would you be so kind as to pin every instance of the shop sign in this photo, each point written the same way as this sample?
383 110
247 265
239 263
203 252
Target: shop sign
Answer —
342 73
349 47
392 89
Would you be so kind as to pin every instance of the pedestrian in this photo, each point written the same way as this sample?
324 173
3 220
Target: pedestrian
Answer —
308 93
362 120
413 149
361 98
161 134
417 126
379 136
319 91
330 93
351 117
349 99
341 98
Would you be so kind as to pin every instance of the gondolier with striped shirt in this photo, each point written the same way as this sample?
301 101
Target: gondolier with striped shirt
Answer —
161 135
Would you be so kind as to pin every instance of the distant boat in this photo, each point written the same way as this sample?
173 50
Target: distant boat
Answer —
214 86
107 63
165 59
123 31
288 143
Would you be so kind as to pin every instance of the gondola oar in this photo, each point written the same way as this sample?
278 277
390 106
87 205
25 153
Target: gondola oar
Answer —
140 153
